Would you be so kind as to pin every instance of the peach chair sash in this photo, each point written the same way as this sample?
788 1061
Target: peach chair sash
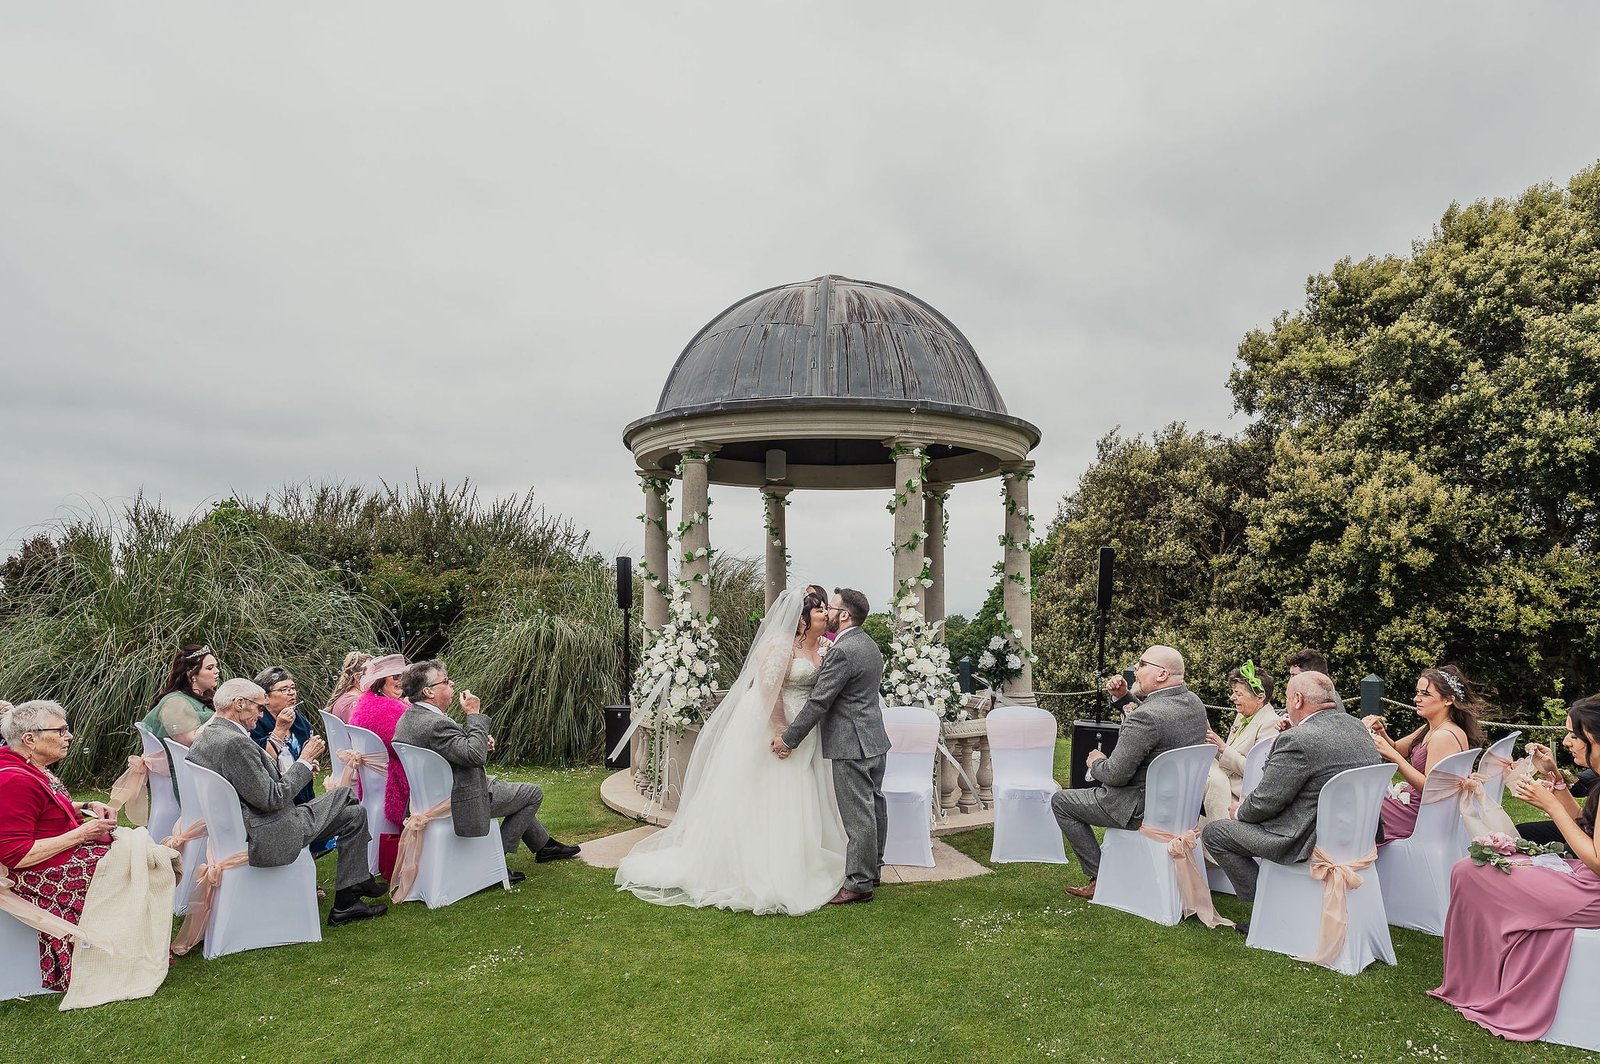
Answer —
350 760
1338 880
1192 885
131 790
409 854
1480 816
38 919
183 834
206 879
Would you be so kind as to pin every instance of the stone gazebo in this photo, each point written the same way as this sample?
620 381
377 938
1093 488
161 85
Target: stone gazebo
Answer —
829 384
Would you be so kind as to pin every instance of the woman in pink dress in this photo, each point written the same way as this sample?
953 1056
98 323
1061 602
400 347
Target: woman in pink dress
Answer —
1449 709
1507 936
378 710
348 690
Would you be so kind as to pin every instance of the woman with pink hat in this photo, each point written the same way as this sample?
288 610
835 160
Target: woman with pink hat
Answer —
377 710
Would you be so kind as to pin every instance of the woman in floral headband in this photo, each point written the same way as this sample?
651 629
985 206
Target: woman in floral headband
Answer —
1449 709
1256 720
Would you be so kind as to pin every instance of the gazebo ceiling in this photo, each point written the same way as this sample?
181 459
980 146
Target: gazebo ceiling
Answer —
828 371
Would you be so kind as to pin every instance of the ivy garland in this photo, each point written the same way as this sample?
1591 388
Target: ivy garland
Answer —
772 531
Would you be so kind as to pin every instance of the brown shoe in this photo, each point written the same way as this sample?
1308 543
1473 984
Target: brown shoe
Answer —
849 897
1086 892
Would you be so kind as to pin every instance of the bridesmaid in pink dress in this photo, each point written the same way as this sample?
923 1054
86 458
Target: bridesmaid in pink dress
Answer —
1449 709
1507 937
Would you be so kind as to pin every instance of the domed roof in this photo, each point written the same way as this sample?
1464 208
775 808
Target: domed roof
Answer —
830 338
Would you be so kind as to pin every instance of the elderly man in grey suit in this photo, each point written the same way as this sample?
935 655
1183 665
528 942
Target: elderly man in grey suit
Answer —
475 797
845 702
1278 820
1170 716
276 829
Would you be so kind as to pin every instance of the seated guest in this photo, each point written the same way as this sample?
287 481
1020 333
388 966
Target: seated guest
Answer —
475 797
378 710
280 730
1169 717
1507 937
50 844
1257 719
345 693
1307 660
1449 709
1544 762
185 701
277 829
1277 821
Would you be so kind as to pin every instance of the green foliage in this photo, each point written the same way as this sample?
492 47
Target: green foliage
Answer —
105 603
881 629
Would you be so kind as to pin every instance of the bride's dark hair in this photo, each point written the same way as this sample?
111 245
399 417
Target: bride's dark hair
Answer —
811 602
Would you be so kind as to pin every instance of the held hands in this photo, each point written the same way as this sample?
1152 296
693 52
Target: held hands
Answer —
469 703
779 748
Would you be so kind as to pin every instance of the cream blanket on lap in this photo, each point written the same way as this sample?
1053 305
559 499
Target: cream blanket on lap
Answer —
127 923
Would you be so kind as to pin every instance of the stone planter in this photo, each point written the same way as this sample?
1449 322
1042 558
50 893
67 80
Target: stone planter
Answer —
679 748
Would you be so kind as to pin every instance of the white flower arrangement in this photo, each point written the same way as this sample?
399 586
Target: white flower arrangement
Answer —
677 678
918 670
1003 658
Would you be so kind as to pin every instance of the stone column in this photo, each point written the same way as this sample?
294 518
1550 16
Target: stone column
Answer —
909 540
655 485
1017 588
933 519
695 565
775 501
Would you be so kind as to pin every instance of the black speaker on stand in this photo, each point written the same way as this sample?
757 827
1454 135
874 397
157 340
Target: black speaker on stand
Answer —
1099 733
618 717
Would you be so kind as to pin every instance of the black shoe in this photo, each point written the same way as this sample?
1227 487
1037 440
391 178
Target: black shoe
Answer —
1243 927
376 887
555 851
514 877
359 910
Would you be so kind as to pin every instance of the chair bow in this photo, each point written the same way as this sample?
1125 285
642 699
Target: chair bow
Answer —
1338 880
350 760
206 879
1192 886
29 913
183 834
132 788
1480 816
408 855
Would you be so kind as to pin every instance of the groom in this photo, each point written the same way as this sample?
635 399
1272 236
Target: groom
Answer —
845 701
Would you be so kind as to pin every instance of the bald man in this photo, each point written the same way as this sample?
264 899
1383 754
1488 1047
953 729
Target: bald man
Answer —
1170 716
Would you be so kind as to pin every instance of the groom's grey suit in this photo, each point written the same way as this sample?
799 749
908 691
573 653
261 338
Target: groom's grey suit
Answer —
845 702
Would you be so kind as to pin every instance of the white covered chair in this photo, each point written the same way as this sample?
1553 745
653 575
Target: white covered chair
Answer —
1493 764
1022 743
19 959
194 851
1574 1023
164 810
374 783
908 784
251 908
1289 903
338 738
1415 872
1255 762
451 867
1136 871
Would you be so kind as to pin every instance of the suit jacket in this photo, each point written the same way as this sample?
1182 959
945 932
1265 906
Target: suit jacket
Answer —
1168 719
845 701
467 750
1302 761
275 828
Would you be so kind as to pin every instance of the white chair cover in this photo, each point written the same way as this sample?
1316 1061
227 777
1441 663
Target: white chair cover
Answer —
19 959
374 783
908 784
451 867
1574 1023
1415 872
252 907
1022 744
164 809
338 739
1255 762
1492 766
194 851
1289 902
1136 873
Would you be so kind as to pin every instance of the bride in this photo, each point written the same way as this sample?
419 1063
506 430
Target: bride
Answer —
753 832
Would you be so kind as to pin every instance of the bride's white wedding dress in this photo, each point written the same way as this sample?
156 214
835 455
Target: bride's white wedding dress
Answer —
752 832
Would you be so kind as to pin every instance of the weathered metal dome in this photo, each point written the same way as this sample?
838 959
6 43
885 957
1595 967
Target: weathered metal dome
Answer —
825 371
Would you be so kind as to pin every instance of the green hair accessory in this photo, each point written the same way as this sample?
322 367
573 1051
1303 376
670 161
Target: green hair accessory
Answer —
1248 671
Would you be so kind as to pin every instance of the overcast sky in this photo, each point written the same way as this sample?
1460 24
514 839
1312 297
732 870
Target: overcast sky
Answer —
245 245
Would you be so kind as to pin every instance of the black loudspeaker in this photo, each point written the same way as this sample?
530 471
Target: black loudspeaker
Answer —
1091 735
1108 556
624 583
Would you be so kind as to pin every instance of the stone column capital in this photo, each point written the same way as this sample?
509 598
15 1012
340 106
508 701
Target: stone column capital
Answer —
775 490
921 443
695 451
936 490
1017 467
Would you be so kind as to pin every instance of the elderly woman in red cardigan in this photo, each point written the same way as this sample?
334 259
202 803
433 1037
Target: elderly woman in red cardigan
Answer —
378 710
50 843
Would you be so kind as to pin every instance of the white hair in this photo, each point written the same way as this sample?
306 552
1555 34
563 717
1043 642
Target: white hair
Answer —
233 690
28 717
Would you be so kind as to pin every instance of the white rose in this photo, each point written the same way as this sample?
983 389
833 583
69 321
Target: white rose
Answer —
699 668
996 642
1013 662
986 660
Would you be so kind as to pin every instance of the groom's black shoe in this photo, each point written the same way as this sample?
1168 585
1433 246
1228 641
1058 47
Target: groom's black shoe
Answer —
849 897
555 851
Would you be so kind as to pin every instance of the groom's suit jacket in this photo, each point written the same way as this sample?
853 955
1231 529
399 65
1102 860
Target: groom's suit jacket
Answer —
845 701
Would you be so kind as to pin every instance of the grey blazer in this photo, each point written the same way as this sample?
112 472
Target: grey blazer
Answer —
1302 761
275 828
467 750
1168 719
845 701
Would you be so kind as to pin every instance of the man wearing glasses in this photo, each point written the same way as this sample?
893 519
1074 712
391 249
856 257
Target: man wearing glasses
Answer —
1169 717
275 828
475 797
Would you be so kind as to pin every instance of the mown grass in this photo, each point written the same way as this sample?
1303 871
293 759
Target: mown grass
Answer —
1000 967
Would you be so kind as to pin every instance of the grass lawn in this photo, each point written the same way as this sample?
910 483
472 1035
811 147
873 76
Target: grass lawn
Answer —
1001 967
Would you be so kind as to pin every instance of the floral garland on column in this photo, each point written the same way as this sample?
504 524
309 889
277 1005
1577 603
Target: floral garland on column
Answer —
674 684
698 518
1002 659
918 671
662 487
772 530
1006 539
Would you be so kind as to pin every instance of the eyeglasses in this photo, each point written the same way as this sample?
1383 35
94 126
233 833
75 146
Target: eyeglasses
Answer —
253 702
284 690
1143 663
440 683
64 728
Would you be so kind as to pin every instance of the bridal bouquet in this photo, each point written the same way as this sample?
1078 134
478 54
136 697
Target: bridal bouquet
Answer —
918 670
678 676
1498 850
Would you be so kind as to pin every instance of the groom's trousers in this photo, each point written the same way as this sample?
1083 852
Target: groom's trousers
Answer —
858 785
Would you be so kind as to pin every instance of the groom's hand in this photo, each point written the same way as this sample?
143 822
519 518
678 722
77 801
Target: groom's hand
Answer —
779 748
